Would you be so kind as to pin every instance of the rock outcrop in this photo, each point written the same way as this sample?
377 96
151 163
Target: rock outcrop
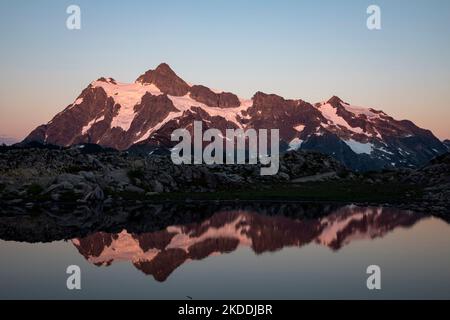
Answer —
79 174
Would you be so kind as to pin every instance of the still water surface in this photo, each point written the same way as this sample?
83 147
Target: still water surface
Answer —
231 253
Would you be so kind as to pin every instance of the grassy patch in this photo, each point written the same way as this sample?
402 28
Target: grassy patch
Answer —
135 174
317 191
34 189
128 195
69 196
74 169
125 194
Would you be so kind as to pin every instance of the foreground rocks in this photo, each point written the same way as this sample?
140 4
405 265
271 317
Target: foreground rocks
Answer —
75 175
435 178
29 176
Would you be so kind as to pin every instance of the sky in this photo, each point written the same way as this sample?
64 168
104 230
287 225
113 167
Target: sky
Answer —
310 50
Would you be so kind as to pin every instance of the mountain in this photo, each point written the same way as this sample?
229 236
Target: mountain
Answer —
143 114
159 253
447 144
7 140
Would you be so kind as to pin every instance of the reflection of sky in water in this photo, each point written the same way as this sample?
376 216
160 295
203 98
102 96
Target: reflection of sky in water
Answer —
415 263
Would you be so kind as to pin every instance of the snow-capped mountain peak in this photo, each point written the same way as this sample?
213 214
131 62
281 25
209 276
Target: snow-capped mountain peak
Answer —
166 80
145 112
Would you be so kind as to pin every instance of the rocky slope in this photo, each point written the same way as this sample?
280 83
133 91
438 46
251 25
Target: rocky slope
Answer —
92 174
447 144
84 173
435 177
143 114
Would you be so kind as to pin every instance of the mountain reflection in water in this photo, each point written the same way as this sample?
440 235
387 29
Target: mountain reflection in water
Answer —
159 253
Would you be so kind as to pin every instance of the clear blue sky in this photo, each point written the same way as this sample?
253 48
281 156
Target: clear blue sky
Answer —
299 49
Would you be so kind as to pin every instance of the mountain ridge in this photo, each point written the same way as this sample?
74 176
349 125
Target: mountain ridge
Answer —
145 113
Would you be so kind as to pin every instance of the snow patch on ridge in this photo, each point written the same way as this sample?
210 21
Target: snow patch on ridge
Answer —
86 128
385 151
185 103
295 144
127 96
330 113
359 147
148 133
357 111
77 102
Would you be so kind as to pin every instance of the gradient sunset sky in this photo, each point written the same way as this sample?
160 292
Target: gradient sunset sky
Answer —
298 49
